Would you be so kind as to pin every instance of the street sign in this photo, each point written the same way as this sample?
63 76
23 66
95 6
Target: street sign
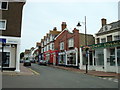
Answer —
2 40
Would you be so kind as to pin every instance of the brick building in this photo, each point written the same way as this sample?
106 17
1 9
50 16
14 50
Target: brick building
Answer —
47 46
10 33
68 43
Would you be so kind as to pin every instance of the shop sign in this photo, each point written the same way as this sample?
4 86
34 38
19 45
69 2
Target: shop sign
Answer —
104 45
12 41
2 40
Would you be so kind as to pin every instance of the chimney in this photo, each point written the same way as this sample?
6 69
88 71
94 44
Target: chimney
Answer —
103 21
63 25
55 29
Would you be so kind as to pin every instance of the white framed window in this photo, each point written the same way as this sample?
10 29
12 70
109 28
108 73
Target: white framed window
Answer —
3 24
71 42
103 40
62 46
4 5
52 46
42 44
117 37
48 40
51 37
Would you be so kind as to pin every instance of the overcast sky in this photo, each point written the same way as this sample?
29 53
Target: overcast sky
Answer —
40 16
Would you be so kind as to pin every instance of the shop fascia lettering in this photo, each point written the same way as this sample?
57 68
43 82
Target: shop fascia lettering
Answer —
103 45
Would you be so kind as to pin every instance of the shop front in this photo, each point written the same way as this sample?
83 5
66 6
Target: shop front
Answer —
105 57
62 58
51 56
9 51
72 57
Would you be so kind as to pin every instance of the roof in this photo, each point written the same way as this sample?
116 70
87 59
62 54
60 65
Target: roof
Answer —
109 27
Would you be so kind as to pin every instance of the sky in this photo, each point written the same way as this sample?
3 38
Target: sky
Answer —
40 16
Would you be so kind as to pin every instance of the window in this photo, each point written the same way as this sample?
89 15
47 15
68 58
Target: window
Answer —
71 42
99 57
53 46
2 24
51 38
4 5
62 46
112 57
103 40
118 56
109 38
98 40
117 37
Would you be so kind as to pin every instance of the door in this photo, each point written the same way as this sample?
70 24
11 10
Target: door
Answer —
6 59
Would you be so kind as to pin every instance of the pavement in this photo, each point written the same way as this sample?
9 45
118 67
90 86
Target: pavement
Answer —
90 72
23 71
28 71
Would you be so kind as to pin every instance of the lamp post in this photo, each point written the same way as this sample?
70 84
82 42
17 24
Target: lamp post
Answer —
78 25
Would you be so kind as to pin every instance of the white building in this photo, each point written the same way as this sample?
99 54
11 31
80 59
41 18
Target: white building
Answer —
105 54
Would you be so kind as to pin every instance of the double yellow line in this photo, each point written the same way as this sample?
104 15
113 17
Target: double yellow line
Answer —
36 73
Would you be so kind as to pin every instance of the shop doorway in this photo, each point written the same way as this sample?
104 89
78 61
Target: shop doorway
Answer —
5 59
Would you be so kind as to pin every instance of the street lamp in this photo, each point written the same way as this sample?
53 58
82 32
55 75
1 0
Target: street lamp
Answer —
78 25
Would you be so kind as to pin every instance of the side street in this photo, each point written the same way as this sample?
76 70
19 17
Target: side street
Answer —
64 57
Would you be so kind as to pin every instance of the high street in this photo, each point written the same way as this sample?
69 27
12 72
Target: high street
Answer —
50 77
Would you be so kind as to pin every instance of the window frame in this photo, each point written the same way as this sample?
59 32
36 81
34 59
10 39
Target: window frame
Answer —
116 37
1 5
61 45
71 42
5 24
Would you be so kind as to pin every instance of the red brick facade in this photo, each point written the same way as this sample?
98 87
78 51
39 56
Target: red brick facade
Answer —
64 36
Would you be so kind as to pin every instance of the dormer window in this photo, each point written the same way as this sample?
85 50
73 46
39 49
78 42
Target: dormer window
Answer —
4 5
106 27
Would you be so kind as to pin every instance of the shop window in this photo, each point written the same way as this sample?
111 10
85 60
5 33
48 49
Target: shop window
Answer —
62 59
109 38
71 59
118 56
112 57
84 58
99 57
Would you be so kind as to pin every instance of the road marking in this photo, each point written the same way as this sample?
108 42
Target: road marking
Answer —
34 71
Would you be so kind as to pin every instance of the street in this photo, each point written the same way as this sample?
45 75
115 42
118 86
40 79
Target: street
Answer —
55 78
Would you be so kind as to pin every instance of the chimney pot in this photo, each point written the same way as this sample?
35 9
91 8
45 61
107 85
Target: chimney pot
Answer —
103 21
63 25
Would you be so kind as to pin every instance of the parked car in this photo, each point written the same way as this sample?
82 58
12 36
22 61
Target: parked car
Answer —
21 61
43 62
32 61
27 63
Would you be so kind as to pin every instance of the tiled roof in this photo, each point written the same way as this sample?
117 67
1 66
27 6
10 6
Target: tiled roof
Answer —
109 27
